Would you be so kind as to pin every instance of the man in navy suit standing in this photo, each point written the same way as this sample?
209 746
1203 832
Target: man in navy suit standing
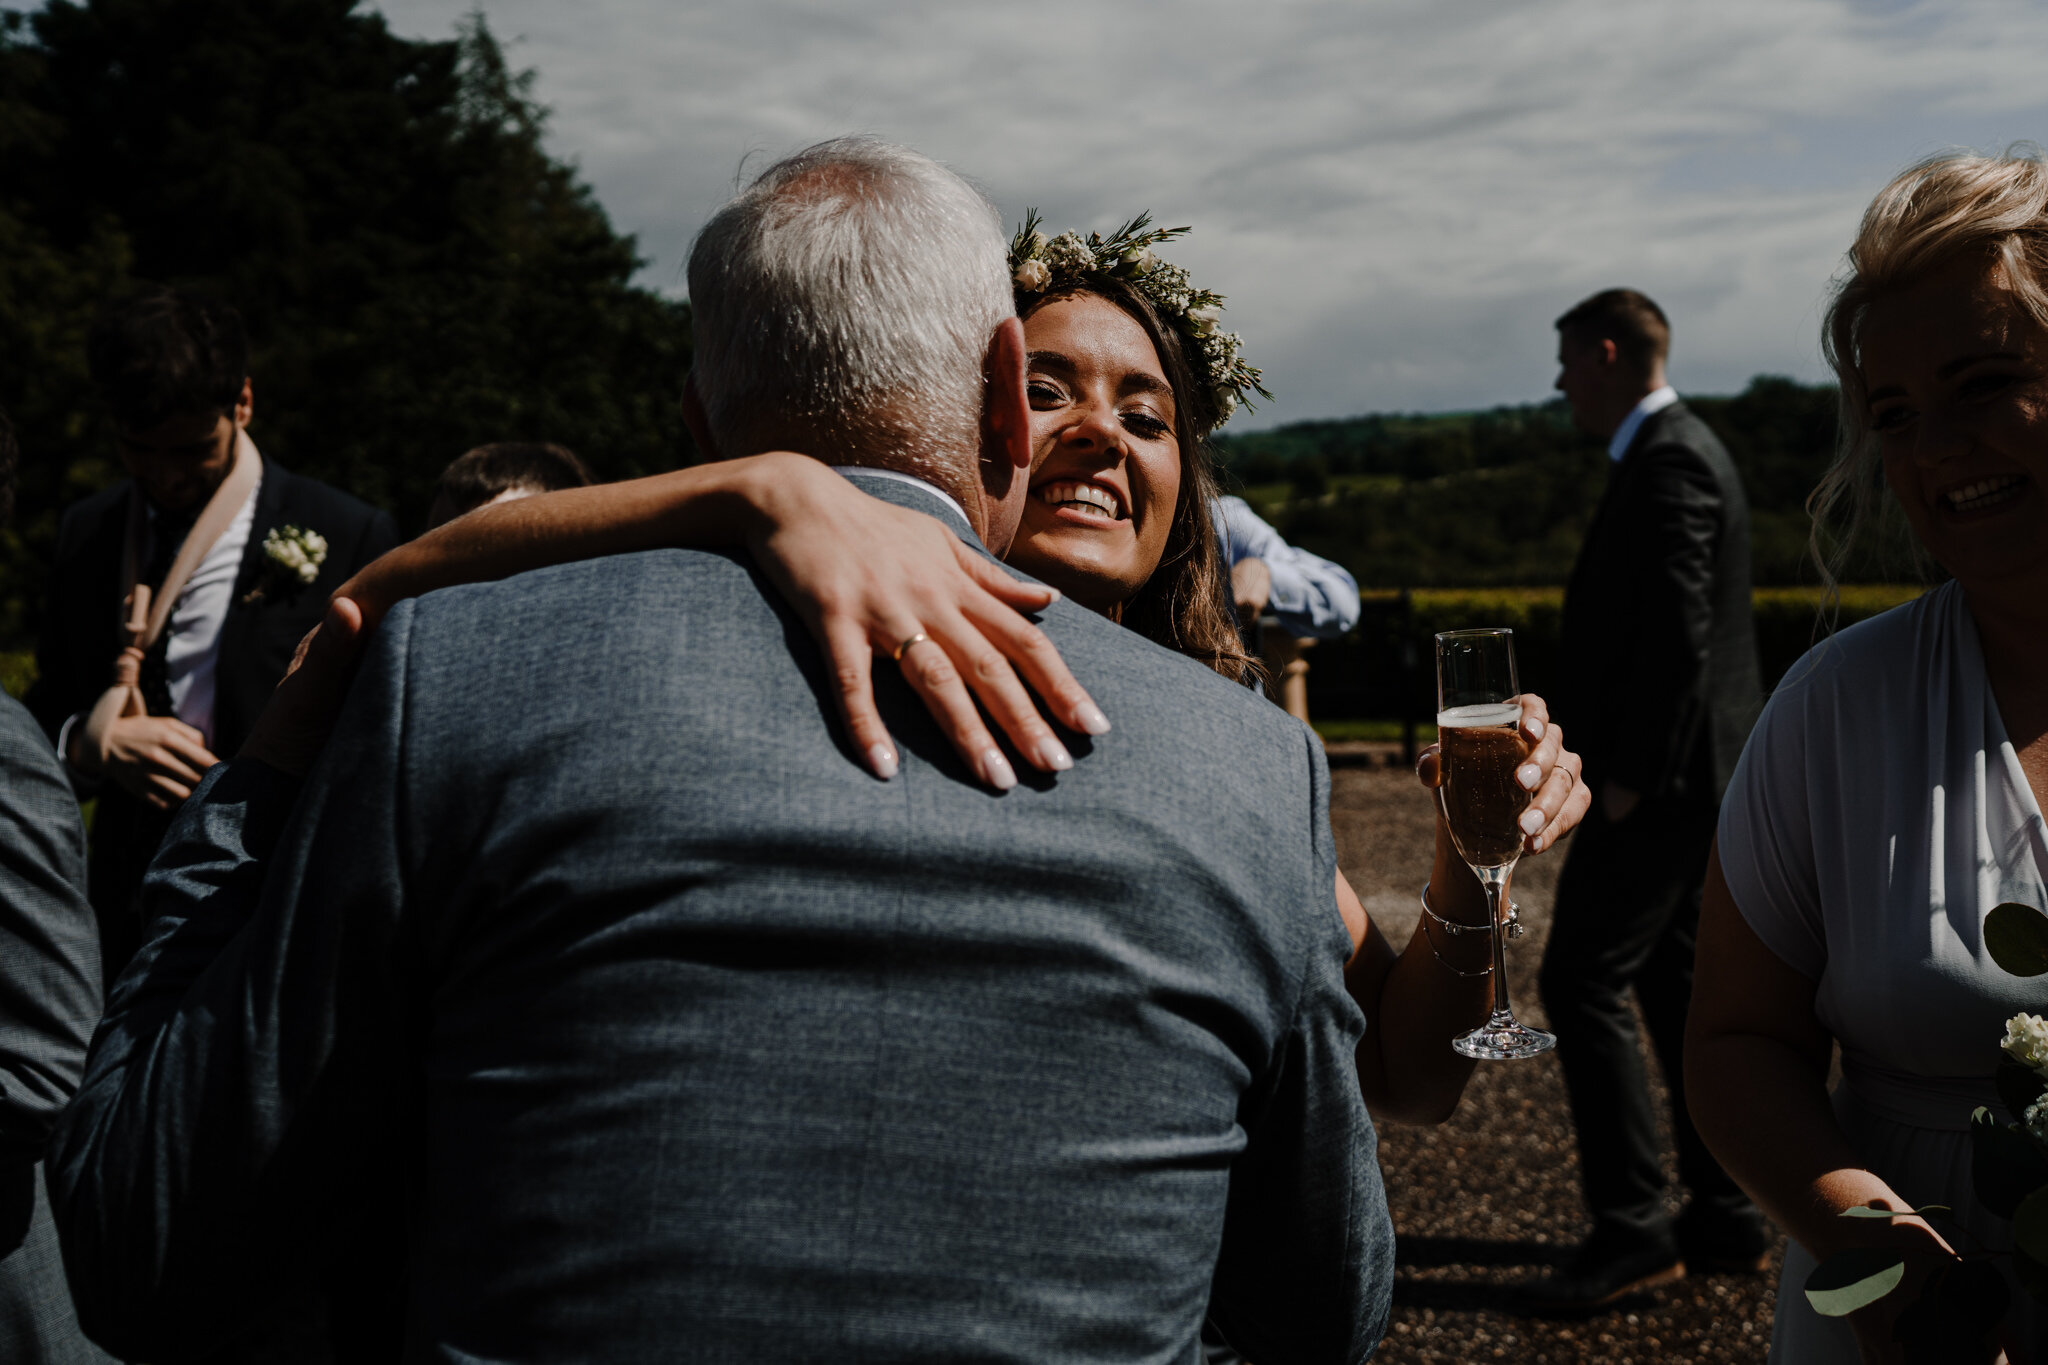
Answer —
1660 690
172 368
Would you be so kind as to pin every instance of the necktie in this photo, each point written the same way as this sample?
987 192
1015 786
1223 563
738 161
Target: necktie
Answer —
168 534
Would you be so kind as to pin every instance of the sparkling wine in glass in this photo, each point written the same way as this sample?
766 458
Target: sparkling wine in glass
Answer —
1480 745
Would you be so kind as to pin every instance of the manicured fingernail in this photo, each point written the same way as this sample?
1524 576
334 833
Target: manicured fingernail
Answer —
882 759
1529 775
1091 720
1532 821
1055 596
996 771
1536 728
1053 754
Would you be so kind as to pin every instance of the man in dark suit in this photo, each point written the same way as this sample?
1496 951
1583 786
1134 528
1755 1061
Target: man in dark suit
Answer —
690 1037
173 371
1659 693
49 1002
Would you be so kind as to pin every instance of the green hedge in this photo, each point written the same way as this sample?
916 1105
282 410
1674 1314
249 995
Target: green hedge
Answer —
17 671
1385 669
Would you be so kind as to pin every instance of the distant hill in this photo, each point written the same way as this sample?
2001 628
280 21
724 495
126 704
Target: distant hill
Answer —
1502 497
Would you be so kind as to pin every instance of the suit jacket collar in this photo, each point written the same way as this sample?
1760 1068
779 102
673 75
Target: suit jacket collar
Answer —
1651 430
906 490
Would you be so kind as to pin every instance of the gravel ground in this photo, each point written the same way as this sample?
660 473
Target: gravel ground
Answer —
1491 1199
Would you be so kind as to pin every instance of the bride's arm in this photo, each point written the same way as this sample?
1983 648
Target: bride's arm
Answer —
864 574
1418 999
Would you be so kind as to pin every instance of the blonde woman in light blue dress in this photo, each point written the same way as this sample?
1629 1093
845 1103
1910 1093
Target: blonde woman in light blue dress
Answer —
1891 795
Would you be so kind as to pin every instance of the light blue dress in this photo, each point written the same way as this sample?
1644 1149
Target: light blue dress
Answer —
1878 814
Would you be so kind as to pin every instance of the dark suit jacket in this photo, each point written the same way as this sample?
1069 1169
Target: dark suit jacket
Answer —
1660 682
696 1041
75 657
49 1002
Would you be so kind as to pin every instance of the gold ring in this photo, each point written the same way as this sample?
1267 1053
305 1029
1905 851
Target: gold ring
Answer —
917 639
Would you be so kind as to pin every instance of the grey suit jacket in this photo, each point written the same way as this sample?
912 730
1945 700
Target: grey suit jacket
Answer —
688 1039
49 1002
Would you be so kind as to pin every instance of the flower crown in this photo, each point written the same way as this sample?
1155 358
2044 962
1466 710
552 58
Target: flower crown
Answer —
1039 266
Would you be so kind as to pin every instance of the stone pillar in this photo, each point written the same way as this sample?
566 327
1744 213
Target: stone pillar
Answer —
1286 670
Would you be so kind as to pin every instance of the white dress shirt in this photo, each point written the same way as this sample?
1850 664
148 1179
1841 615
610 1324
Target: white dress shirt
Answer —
1310 594
192 635
192 647
1653 402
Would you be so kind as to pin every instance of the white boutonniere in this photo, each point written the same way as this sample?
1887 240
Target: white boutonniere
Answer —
292 558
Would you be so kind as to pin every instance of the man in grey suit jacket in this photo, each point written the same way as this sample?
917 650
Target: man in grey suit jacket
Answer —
690 1039
49 1002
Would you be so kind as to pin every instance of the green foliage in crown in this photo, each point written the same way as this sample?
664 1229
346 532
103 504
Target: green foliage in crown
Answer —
1040 266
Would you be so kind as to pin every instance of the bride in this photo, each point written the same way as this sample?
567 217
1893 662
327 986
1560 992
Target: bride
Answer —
1127 374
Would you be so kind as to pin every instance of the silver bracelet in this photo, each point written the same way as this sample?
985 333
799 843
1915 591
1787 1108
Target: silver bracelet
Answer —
1453 928
1454 971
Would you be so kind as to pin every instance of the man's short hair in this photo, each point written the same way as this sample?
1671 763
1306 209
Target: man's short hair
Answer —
851 292
10 461
164 353
480 475
1633 322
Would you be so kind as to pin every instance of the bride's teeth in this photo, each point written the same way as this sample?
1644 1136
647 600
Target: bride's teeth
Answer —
1984 490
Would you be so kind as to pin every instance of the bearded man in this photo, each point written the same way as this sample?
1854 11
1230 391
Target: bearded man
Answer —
235 556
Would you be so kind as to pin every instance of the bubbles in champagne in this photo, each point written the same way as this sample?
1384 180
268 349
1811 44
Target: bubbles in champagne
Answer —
1480 747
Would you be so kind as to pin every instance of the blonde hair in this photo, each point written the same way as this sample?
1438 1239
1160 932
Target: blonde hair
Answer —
1949 205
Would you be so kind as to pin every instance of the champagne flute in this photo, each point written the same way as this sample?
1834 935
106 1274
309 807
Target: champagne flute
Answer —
1480 745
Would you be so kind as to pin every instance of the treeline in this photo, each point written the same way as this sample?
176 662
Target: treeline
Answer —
417 274
1503 497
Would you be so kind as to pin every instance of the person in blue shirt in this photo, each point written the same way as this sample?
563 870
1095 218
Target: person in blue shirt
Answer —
1269 577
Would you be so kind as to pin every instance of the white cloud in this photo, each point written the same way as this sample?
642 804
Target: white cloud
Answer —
1397 196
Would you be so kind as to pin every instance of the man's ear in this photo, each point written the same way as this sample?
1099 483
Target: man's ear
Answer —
245 404
1610 354
695 420
1006 421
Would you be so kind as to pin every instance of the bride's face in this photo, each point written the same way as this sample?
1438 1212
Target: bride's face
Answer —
1105 469
1957 376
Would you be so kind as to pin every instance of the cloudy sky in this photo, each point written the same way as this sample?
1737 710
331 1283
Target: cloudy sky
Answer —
1397 195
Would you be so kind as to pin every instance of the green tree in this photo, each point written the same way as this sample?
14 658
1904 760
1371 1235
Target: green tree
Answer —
418 274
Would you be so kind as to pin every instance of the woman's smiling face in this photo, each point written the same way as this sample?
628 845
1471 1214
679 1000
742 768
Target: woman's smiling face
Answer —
1957 376
1105 467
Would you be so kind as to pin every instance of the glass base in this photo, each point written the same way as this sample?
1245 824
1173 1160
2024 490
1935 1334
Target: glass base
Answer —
1503 1040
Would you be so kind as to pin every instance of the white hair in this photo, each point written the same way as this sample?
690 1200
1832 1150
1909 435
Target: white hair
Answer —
848 296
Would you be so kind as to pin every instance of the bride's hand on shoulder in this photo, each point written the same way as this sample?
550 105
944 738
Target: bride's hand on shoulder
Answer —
878 583
1551 773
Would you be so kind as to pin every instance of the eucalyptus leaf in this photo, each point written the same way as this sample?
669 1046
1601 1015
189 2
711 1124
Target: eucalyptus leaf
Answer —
1865 1211
1853 1279
2017 937
2005 1166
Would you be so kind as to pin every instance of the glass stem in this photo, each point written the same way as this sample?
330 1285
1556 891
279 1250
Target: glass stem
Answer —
1495 880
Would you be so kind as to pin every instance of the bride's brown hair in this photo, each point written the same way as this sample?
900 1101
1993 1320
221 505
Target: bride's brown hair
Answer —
1181 606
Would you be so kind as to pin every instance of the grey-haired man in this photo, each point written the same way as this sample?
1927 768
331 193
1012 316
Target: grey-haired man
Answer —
690 1038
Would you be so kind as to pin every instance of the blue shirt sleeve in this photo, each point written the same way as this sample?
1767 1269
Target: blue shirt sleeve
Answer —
1311 595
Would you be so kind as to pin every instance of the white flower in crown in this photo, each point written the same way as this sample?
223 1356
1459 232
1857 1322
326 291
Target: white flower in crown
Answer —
1068 252
1144 260
2026 1041
1203 320
297 552
1034 275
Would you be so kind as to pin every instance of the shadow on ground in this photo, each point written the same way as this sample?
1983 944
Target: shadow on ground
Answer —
1490 1200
